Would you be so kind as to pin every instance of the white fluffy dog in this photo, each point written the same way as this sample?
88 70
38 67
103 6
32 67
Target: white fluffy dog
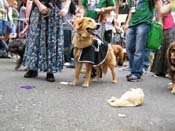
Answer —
134 97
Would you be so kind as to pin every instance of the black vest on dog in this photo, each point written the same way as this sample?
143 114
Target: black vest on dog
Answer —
95 54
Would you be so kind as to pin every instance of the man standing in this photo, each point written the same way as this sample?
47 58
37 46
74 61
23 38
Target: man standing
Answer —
140 18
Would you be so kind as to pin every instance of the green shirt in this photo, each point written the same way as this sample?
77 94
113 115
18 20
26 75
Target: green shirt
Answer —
14 15
142 12
90 5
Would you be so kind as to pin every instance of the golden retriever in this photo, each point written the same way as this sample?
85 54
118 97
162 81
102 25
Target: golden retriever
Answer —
83 39
171 65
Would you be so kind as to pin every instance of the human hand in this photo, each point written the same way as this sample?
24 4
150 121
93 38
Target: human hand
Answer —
22 33
126 27
63 12
3 10
43 9
102 10
11 23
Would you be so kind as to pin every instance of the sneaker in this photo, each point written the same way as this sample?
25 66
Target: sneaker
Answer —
144 71
133 78
50 77
30 74
128 76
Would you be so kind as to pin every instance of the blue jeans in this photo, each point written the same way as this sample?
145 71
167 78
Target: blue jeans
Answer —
3 27
146 59
136 37
3 45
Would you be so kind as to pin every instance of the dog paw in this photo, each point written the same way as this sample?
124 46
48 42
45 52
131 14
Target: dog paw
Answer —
95 80
170 88
72 83
114 81
85 85
173 92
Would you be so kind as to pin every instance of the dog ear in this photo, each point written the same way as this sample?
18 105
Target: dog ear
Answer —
168 52
79 23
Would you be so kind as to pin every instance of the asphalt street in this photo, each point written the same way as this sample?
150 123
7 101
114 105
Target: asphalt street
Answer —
60 107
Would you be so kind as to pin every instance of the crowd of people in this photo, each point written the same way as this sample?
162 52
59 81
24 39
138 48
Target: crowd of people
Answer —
50 28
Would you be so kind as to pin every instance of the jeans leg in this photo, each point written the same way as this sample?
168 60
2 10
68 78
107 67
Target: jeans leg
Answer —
142 31
146 59
1 27
130 44
4 45
5 25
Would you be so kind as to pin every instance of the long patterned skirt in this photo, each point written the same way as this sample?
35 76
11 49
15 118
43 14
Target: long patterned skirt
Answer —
45 48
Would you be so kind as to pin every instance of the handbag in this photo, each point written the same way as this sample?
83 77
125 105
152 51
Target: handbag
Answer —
154 39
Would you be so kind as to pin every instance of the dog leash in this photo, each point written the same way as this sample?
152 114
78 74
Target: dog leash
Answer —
50 8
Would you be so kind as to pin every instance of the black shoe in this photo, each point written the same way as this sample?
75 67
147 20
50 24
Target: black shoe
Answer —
30 74
133 78
160 74
50 77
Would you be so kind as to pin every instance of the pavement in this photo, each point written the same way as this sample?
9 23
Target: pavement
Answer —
60 107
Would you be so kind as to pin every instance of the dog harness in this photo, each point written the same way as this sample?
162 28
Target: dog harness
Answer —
95 54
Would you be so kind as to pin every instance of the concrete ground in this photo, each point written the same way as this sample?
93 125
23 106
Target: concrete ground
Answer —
60 107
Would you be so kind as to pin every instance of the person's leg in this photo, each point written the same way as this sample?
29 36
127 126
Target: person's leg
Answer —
108 36
1 27
5 25
142 31
67 44
146 60
4 45
130 44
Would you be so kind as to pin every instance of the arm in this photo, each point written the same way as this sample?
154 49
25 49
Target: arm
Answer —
42 8
10 15
28 9
65 9
163 10
158 6
107 9
5 10
117 8
127 21
166 9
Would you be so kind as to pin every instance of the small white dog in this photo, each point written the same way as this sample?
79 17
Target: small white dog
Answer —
134 97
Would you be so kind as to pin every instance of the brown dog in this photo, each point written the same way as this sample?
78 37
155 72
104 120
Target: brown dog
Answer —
83 40
119 53
171 65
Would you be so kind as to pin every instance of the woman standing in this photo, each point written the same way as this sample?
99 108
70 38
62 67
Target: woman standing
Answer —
159 66
13 17
44 49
